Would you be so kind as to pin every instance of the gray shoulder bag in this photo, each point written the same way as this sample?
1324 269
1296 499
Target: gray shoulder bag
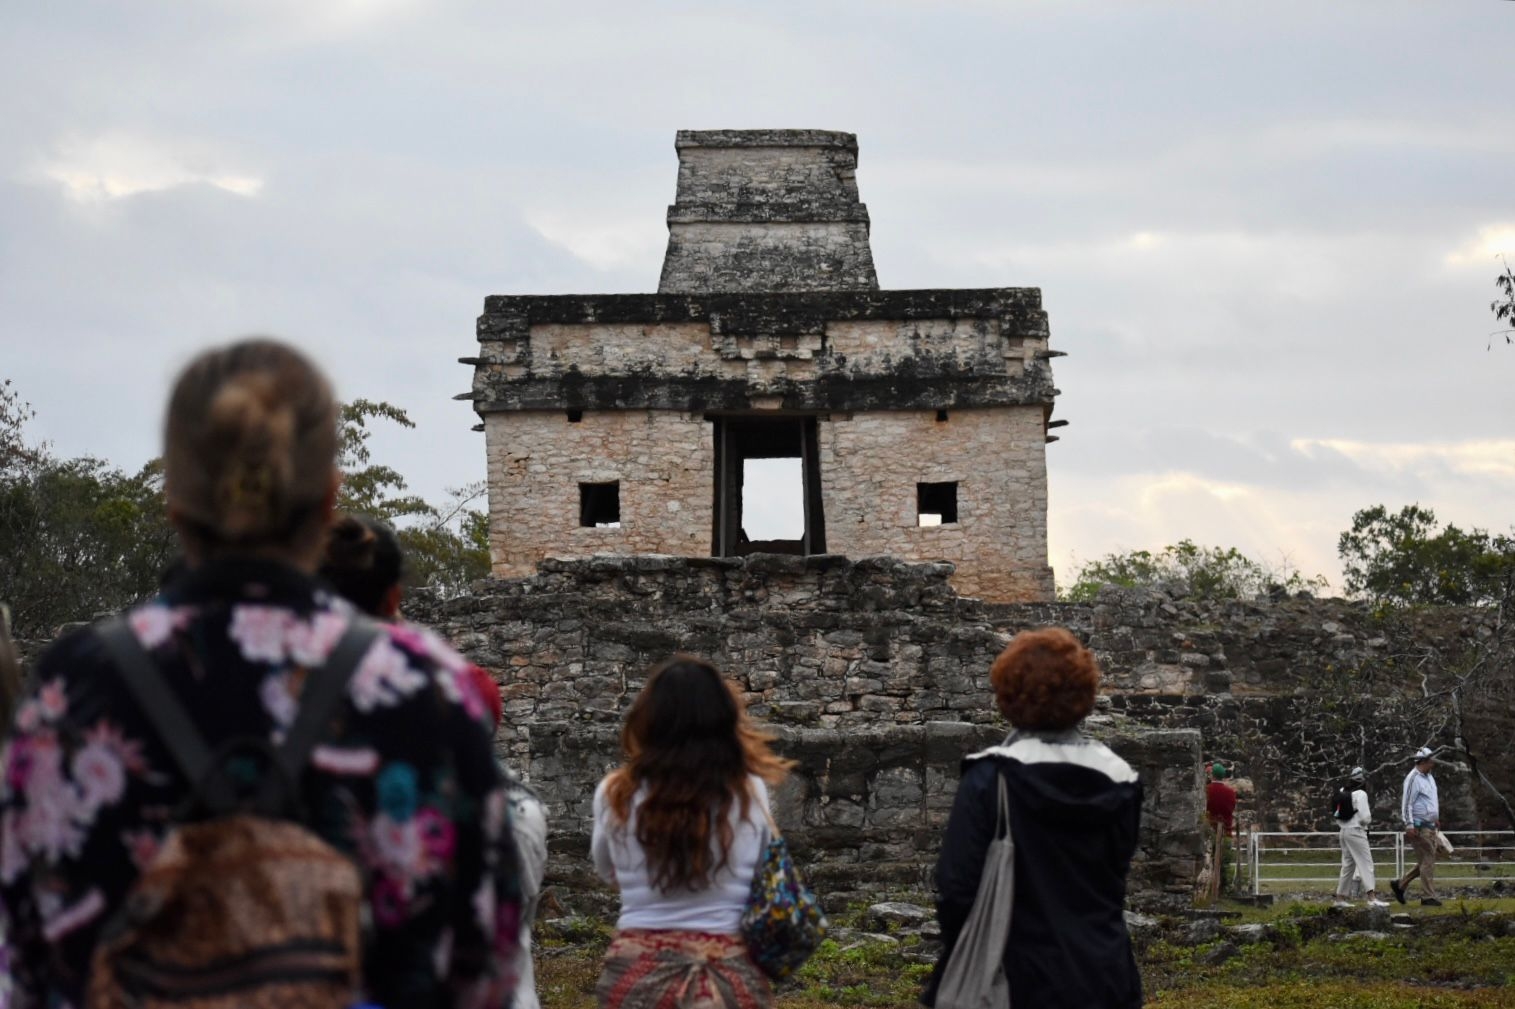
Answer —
975 974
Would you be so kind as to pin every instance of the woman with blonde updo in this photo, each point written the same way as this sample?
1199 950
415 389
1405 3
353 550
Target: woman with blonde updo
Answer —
395 771
1074 808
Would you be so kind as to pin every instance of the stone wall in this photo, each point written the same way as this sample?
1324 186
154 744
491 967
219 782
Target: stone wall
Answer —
871 464
662 461
873 449
875 673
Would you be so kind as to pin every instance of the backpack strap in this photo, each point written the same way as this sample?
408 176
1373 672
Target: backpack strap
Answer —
166 713
324 689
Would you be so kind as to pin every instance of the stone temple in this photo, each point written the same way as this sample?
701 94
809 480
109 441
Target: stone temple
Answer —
917 419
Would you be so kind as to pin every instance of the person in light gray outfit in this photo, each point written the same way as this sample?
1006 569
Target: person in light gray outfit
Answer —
1356 857
1420 808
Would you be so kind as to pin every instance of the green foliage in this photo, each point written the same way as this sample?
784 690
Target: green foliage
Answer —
1403 558
446 546
79 536
1204 572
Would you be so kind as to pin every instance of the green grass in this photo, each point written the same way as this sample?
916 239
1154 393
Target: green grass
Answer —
1457 958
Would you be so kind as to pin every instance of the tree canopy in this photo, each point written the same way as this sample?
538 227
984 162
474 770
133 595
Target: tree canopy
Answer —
1201 571
1403 558
82 537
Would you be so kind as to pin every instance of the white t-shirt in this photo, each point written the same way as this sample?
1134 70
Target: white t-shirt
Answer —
717 908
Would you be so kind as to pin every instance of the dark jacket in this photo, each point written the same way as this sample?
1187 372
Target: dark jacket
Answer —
1074 811
405 782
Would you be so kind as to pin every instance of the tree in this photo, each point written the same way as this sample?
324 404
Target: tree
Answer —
1203 572
1504 306
447 546
1402 558
80 537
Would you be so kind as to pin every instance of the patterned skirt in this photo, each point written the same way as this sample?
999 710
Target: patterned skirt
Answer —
664 969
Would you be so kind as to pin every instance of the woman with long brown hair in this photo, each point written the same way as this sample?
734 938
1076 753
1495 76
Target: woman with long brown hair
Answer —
679 829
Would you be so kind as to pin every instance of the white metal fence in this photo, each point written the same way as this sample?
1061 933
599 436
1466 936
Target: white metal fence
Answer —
1304 859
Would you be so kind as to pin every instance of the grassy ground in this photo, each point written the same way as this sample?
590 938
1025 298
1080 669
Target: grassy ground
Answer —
1457 957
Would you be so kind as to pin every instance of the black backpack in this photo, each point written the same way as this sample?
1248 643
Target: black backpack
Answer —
1341 804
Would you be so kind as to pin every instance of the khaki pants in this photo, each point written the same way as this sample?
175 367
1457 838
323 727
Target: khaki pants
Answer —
1356 862
1424 843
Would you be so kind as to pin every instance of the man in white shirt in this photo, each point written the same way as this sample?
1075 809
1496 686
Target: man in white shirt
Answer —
1356 856
1420 809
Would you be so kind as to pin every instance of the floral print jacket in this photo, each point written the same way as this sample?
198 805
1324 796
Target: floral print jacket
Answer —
408 785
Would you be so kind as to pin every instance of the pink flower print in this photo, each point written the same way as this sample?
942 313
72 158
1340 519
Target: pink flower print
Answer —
53 700
259 632
310 641
389 901
12 855
398 845
441 954
155 624
128 751
50 826
29 715
143 846
18 763
484 906
277 700
351 762
384 677
507 928
74 917
445 655
459 688
409 637
100 777
438 835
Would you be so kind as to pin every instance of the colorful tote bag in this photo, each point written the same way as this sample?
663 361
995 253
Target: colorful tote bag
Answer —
783 922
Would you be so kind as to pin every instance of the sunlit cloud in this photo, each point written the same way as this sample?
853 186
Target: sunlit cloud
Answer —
1488 459
1467 483
1492 241
116 166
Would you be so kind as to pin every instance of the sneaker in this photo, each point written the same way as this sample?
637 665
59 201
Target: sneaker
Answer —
1399 891
1342 903
1429 902
1375 902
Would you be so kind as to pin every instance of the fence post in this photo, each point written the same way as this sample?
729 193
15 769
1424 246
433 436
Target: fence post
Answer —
1252 843
1399 854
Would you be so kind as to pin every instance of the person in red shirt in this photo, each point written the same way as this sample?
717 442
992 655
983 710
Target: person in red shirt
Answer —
1220 811
1220 799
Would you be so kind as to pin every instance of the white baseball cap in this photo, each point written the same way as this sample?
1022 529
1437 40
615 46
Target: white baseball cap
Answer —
1358 774
1424 753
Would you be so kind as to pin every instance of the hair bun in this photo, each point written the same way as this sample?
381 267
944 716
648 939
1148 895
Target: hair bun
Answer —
256 429
351 544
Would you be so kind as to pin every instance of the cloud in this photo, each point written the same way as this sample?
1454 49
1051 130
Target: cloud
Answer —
605 241
1261 508
115 165
1493 241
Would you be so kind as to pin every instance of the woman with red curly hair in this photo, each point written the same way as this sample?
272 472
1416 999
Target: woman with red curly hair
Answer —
678 828
1074 808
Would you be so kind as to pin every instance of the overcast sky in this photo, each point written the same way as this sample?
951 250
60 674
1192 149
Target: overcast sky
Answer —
1266 234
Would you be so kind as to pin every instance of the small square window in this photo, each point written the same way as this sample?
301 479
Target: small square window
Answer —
575 416
936 503
600 505
941 416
